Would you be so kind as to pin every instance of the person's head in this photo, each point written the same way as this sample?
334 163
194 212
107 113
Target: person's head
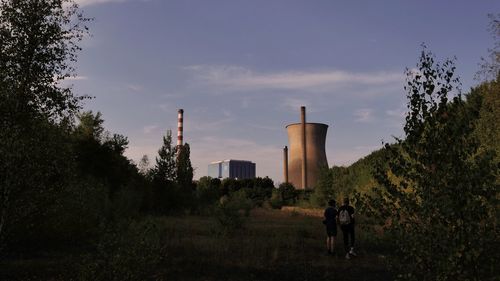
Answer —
331 203
346 201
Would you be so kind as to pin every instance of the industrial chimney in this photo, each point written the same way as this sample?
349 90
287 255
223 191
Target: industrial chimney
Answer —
180 122
285 164
303 144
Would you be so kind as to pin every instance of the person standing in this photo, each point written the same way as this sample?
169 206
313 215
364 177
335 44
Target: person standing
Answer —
346 220
331 226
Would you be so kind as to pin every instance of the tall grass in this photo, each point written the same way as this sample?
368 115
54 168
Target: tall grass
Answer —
269 245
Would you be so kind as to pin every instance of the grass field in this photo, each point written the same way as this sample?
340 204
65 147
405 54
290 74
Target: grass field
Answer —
272 245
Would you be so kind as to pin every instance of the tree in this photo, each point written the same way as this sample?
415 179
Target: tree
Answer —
490 67
208 191
184 169
324 190
144 165
486 97
287 192
438 196
166 195
118 143
38 43
90 125
165 169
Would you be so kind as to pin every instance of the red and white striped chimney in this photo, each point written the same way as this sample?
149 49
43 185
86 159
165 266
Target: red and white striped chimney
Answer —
180 122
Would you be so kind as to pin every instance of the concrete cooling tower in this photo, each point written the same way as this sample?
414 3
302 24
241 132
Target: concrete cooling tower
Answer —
307 152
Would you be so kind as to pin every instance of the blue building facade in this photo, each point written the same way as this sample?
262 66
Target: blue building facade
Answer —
235 169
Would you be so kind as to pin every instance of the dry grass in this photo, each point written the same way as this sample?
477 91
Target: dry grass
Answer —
272 245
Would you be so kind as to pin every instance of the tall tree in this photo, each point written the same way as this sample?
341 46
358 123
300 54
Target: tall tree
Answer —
165 169
184 168
38 43
90 125
438 197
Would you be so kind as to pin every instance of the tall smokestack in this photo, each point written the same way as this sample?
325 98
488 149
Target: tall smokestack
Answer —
180 122
304 154
285 164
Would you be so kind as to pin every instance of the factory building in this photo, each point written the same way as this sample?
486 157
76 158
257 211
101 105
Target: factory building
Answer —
235 169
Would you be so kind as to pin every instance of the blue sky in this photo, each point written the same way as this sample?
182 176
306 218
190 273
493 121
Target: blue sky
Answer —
241 70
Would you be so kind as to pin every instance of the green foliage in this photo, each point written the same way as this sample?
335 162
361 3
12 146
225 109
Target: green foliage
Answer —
486 99
325 189
230 211
339 182
38 39
490 66
184 170
438 196
169 192
229 185
130 251
90 126
34 170
257 189
165 168
287 194
208 192
275 201
101 156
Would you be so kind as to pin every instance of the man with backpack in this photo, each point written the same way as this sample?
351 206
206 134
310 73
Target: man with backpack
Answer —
346 220
331 226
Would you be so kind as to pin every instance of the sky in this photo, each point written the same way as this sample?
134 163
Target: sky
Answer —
242 69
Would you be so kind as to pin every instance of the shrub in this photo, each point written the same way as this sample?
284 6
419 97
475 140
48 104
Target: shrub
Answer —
129 251
231 211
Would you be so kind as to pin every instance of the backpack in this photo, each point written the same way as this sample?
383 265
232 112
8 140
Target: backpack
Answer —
344 217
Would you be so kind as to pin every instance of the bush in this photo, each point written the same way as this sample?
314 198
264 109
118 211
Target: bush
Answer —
231 211
287 193
72 218
207 193
275 201
130 251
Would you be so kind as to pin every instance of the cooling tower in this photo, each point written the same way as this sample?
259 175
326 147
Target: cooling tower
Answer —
307 141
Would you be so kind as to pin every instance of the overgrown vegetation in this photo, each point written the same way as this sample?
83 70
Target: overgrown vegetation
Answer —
67 189
439 197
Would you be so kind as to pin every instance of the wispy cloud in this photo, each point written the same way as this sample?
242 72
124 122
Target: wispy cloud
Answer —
240 78
364 115
150 128
398 113
395 118
134 87
295 103
197 125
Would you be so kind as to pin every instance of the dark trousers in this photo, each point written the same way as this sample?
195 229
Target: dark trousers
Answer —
348 232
